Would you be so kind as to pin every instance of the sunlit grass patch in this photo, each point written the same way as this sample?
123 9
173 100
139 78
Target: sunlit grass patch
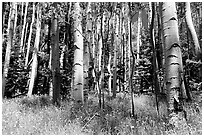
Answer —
37 115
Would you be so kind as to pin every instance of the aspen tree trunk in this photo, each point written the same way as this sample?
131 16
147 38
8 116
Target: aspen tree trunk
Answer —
100 50
116 43
77 92
138 36
155 62
192 30
133 62
30 35
87 52
161 54
91 39
16 18
23 30
66 36
63 54
110 55
123 46
163 47
173 61
128 52
150 14
55 64
9 45
94 51
109 71
21 21
35 52
3 16
138 51
103 18
24 41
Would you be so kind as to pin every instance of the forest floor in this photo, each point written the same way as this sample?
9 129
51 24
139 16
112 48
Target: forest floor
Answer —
37 115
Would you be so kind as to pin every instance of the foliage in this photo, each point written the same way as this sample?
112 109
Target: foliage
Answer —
37 116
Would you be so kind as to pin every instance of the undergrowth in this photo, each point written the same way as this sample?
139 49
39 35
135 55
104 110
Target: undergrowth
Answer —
37 116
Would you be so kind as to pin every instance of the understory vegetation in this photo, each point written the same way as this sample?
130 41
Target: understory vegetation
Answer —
37 115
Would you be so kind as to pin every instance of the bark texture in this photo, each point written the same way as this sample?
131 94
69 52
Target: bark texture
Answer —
78 56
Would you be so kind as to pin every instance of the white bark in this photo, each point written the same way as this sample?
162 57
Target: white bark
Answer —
77 92
23 30
35 52
192 29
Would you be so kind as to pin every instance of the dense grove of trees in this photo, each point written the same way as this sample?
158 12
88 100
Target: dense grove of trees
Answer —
70 50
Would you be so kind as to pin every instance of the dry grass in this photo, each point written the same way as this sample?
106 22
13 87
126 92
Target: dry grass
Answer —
38 116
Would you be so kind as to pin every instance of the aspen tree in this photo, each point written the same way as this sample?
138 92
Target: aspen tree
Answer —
116 43
23 30
30 35
86 51
192 30
138 50
55 63
77 90
16 18
123 46
155 62
173 61
35 52
133 61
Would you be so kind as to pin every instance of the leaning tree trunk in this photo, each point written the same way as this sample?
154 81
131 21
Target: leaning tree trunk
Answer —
77 90
192 31
9 45
30 35
173 62
23 30
35 52
16 19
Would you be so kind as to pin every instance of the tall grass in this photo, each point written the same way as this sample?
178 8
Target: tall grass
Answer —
37 115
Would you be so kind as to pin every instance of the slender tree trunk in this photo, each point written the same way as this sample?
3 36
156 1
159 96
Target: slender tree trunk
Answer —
116 44
77 92
21 21
55 63
9 45
173 61
24 41
23 30
128 53
103 57
138 52
133 62
16 18
30 35
123 48
160 41
109 71
35 52
100 46
155 62
86 53
192 31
